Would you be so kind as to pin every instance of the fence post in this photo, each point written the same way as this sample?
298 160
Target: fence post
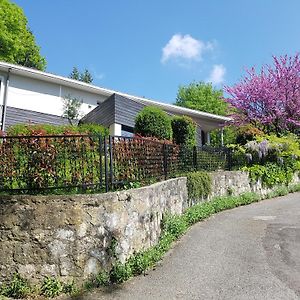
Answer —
111 162
106 165
229 159
195 158
165 160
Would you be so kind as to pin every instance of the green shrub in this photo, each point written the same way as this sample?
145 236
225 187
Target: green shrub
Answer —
93 129
120 272
281 191
294 188
17 288
142 261
153 122
271 174
18 129
102 279
199 185
46 129
184 131
175 225
256 172
198 212
51 287
247 133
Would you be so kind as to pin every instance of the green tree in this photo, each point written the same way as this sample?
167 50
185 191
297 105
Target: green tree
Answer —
202 96
17 43
71 108
75 74
84 76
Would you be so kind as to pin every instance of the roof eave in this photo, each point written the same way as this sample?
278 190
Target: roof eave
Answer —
36 74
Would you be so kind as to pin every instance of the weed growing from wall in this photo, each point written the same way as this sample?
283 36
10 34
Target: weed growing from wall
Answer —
199 185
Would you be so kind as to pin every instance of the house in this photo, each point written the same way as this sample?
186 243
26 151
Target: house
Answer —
28 95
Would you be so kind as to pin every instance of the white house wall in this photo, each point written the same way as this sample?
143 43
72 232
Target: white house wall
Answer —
45 97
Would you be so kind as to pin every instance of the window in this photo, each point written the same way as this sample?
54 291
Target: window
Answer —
127 131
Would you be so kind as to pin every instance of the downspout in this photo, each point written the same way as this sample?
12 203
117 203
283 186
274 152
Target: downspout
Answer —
3 117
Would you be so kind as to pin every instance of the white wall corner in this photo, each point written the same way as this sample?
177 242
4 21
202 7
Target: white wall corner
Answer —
115 129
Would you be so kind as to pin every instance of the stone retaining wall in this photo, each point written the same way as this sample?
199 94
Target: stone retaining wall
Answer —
238 182
73 236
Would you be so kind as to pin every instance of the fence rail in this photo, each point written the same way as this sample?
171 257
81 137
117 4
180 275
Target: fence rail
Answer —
30 164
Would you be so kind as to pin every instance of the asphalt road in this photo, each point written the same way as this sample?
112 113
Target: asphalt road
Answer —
251 252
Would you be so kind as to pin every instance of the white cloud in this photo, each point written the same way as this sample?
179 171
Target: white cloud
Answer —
185 47
217 74
99 76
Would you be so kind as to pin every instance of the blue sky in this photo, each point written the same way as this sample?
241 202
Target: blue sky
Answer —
149 48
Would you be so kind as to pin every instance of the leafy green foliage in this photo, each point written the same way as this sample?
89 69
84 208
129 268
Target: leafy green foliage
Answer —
45 129
229 136
71 108
17 288
247 133
17 42
111 250
270 174
102 279
120 273
294 188
198 212
70 288
184 131
153 122
175 225
93 129
281 191
199 185
203 97
235 135
270 158
49 161
51 287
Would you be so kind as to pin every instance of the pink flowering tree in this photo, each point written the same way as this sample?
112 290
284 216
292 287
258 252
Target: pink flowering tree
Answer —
270 99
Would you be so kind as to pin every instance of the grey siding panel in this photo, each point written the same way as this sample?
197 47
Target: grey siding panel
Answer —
103 114
126 110
18 116
115 109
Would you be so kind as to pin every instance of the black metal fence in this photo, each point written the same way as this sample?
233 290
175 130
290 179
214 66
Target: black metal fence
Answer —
30 164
